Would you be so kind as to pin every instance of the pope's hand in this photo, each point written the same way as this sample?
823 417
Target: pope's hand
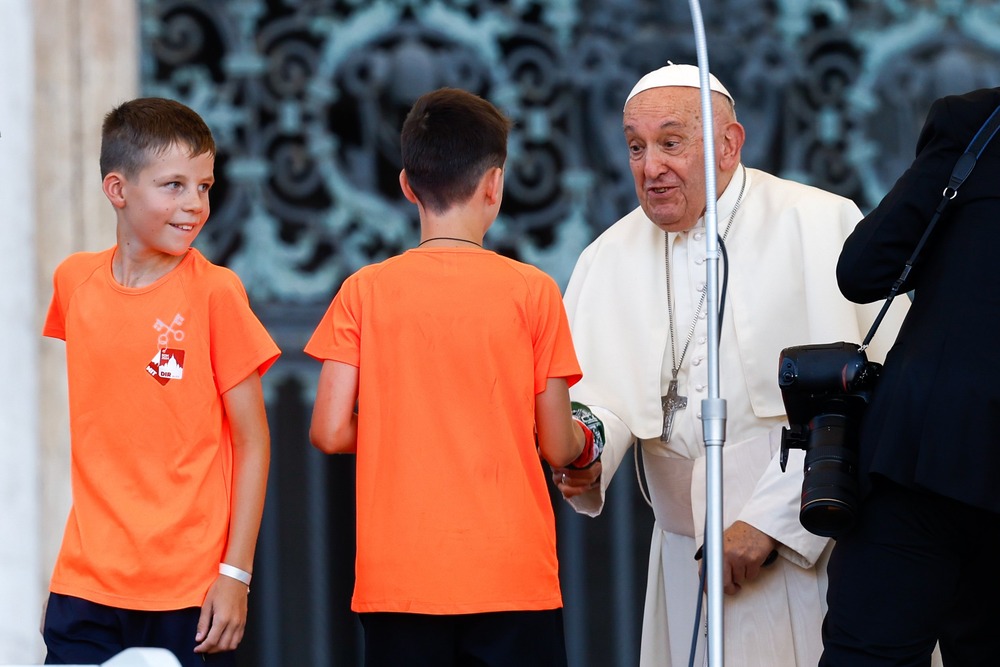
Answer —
744 552
574 482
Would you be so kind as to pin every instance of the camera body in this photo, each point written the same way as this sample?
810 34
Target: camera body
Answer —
825 389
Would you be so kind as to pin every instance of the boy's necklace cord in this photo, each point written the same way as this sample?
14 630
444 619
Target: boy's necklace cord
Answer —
449 238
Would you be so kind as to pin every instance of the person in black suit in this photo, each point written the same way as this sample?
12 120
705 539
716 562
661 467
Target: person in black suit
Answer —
919 567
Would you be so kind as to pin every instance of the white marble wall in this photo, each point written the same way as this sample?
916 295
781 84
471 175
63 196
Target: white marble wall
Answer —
63 65
20 543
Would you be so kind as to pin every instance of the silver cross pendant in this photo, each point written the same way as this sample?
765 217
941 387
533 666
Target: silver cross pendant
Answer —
671 403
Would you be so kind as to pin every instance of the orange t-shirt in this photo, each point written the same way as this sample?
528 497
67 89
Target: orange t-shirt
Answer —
152 460
452 346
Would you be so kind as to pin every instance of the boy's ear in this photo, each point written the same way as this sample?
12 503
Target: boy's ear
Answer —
493 185
404 184
114 189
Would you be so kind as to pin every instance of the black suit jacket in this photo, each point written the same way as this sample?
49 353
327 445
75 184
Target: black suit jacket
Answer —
934 419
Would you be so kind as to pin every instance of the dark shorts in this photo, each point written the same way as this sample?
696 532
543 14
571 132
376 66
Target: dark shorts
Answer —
80 632
496 639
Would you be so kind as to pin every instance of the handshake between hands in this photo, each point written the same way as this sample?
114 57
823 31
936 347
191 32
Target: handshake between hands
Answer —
584 473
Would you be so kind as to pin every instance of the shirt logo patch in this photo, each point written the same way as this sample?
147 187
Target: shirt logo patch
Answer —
166 365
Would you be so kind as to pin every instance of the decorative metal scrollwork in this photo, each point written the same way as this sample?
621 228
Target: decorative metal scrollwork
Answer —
306 98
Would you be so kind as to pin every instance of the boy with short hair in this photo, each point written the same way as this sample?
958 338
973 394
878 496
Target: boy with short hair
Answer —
455 357
170 443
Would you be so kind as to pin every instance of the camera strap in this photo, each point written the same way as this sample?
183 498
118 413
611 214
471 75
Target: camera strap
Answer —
958 175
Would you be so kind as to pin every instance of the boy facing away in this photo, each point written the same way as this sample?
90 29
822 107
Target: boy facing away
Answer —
455 356
170 443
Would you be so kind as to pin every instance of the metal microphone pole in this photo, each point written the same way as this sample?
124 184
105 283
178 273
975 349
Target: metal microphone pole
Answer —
713 409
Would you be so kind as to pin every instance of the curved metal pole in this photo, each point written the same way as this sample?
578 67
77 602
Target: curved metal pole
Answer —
713 409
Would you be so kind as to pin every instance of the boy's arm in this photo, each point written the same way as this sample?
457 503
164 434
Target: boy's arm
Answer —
334 427
560 440
224 613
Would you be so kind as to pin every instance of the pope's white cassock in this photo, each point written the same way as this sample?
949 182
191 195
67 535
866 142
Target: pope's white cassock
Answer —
782 246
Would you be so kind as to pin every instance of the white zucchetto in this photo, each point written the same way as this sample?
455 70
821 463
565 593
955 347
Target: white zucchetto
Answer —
670 74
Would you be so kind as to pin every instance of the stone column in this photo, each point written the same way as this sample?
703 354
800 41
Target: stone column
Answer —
20 521
66 63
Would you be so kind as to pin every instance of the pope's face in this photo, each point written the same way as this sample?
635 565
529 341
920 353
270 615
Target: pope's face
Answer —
663 131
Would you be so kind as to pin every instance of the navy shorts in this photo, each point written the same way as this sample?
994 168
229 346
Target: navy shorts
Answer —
82 632
495 639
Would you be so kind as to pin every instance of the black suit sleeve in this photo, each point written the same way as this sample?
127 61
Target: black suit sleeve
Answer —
874 255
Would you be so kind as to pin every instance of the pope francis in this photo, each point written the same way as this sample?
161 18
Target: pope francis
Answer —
637 307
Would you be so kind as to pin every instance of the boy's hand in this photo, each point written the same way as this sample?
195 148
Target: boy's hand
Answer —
223 616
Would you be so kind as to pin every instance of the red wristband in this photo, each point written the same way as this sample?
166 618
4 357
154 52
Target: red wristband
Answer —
586 457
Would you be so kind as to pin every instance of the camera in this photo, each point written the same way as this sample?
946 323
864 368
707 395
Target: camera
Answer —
825 389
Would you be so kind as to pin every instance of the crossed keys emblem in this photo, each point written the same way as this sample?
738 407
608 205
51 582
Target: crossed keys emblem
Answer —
169 330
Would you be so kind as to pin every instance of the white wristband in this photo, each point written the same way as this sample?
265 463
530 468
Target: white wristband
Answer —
235 572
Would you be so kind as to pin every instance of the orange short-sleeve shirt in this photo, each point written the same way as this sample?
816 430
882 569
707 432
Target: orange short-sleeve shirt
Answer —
452 345
152 460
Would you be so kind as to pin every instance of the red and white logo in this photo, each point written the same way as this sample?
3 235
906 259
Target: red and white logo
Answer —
166 365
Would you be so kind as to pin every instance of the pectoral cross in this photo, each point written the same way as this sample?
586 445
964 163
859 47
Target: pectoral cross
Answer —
671 403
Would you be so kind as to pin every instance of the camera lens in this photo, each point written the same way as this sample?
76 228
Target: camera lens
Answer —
830 484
